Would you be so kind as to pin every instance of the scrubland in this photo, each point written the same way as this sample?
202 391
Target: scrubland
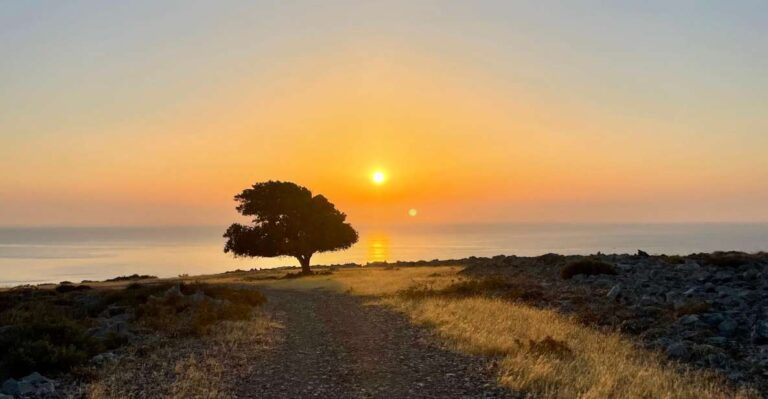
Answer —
540 352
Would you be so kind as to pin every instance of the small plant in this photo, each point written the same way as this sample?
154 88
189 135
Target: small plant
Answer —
692 308
589 267
549 346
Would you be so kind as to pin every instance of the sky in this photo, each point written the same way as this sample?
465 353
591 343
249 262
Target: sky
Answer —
158 112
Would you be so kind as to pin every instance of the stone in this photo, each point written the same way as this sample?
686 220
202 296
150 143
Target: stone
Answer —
760 332
723 276
614 292
173 292
689 319
717 341
690 291
642 254
198 297
18 387
678 350
750 275
727 327
713 319
104 358
647 300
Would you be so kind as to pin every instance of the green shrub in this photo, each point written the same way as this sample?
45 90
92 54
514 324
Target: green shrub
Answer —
43 339
588 267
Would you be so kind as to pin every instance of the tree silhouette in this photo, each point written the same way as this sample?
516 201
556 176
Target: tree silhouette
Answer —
287 221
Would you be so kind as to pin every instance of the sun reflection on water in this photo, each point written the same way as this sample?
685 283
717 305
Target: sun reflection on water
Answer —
378 247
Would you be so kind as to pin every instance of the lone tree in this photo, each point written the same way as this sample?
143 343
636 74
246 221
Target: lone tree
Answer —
287 221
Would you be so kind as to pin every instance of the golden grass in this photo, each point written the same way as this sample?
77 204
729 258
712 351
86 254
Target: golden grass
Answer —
590 364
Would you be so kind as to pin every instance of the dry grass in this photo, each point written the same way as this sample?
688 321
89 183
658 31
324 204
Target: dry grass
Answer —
190 368
598 365
543 353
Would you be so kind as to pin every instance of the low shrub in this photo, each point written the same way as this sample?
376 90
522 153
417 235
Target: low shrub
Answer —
300 274
64 288
489 286
550 259
726 259
182 316
589 267
132 277
41 338
549 346
673 259
692 308
259 278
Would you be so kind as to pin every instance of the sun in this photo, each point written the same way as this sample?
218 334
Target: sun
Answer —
378 177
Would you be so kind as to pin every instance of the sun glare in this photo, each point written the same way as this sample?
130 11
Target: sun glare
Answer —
378 177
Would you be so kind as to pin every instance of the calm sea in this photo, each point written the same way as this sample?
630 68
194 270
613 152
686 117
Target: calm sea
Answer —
36 255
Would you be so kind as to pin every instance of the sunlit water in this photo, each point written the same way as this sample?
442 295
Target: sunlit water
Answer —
35 255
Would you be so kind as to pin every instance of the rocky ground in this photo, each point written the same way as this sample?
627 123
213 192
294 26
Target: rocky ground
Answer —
708 310
336 346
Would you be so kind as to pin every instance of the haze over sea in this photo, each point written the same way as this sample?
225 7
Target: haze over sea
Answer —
52 254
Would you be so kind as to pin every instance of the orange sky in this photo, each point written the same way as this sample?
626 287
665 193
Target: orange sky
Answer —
461 138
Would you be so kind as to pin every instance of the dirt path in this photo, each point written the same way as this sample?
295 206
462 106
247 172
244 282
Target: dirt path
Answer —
336 346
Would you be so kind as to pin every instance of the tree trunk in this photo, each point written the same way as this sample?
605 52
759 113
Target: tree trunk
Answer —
304 261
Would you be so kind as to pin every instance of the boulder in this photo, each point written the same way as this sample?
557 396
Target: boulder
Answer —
689 319
727 327
713 319
678 350
723 276
760 332
614 292
173 292
34 385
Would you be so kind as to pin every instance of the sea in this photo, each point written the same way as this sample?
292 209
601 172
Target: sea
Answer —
34 255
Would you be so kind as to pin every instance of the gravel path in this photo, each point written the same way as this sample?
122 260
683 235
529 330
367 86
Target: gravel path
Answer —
336 346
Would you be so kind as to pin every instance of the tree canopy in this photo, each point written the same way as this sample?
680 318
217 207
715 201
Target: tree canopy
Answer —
287 221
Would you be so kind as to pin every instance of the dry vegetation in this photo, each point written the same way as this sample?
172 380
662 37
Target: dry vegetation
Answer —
542 352
189 367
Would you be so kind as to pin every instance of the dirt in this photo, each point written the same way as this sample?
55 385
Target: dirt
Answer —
338 346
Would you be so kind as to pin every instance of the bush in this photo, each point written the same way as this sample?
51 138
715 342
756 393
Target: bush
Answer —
673 259
726 259
132 277
313 273
42 339
692 308
239 295
489 286
181 316
64 288
589 267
